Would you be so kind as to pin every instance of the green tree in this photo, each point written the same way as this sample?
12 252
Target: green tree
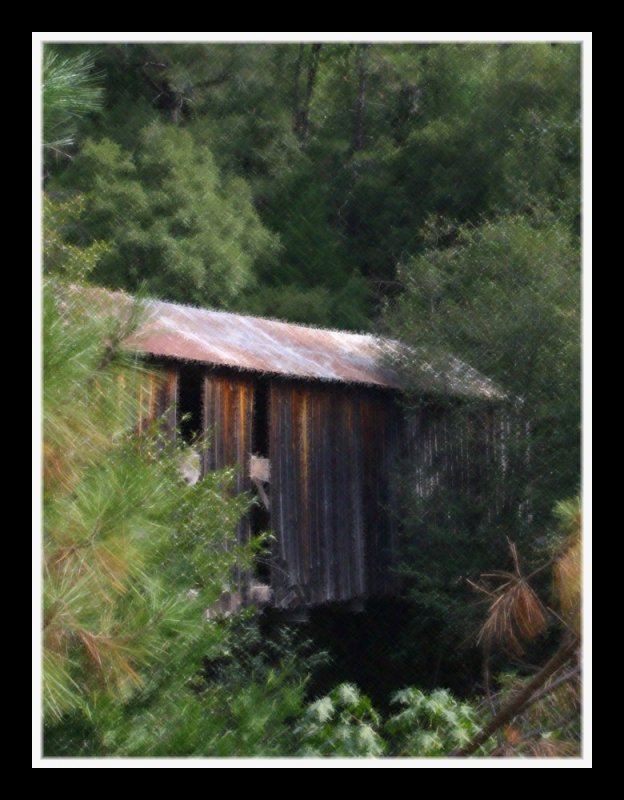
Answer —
132 558
60 257
504 297
348 150
132 554
176 225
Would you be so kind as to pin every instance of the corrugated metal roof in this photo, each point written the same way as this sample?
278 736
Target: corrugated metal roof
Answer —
262 345
280 348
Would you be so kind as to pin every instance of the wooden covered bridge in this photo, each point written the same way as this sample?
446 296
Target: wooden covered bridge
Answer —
313 422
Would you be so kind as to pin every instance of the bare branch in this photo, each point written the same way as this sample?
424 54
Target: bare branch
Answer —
524 698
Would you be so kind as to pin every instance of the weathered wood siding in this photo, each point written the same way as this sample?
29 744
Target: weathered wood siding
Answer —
334 450
227 422
459 456
157 397
330 451
381 431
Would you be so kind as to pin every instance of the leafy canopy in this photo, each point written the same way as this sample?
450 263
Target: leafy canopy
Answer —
175 223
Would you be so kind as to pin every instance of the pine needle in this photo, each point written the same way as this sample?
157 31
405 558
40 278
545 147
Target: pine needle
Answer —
516 614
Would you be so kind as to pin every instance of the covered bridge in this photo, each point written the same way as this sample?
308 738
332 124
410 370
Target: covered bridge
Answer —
312 420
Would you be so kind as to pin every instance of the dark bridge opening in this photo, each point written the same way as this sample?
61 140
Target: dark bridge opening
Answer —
260 438
190 403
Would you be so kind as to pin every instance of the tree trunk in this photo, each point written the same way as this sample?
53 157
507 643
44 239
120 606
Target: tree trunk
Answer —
296 91
360 102
301 112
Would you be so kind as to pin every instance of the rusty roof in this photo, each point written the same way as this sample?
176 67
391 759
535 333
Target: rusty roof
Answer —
299 351
262 345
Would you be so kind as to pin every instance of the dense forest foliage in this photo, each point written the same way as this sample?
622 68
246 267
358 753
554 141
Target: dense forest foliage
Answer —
293 180
430 192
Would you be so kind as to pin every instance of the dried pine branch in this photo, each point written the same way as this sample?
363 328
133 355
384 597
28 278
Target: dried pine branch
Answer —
516 614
